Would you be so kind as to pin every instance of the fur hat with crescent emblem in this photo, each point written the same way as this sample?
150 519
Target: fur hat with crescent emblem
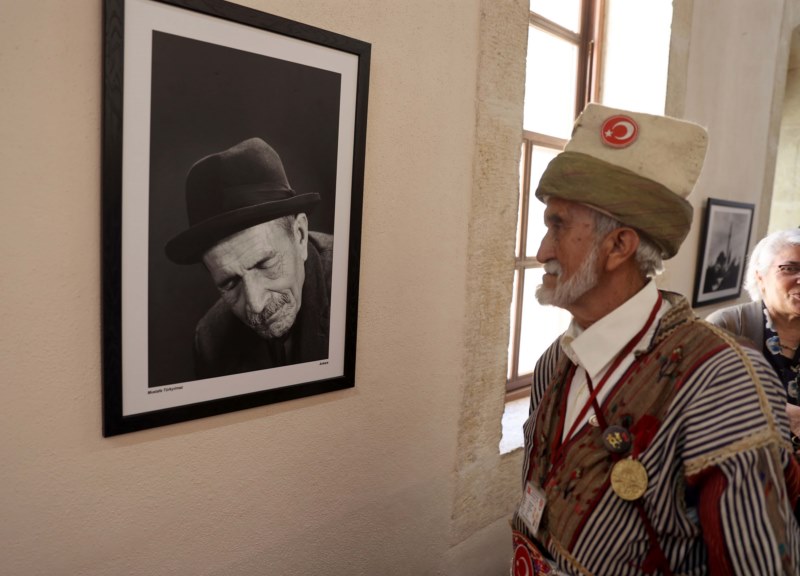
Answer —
638 168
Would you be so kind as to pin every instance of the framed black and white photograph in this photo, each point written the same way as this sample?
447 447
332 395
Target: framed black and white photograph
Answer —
233 164
722 256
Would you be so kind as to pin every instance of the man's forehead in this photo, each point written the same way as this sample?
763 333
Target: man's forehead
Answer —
563 209
261 238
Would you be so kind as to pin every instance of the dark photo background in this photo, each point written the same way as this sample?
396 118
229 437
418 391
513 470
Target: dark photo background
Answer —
206 98
727 249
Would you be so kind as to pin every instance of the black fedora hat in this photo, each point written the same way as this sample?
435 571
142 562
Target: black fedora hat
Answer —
230 191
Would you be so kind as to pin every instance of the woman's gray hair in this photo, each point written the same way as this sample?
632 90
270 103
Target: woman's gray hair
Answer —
648 256
763 254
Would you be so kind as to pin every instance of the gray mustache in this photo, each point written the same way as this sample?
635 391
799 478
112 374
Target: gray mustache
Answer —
552 267
257 319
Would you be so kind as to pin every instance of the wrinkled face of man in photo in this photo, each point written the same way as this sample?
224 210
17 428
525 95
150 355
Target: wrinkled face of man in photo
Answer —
569 252
260 273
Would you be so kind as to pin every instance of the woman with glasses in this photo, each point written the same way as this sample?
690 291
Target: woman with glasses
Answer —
772 320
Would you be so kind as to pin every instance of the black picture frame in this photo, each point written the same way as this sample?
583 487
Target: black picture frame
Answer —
722 255
183 79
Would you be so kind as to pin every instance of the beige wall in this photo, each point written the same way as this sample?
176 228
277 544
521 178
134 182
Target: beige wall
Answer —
363 481
786 193
399 475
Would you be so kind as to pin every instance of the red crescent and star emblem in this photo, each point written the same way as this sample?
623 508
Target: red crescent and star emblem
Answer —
523 564
619 131
528 561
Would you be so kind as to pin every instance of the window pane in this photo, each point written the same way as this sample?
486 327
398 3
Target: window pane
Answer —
550 85
636 54
567 13
513 325
517 246
540 324
539 160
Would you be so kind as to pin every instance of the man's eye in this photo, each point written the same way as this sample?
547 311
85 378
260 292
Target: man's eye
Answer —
271 266
789 269
229 284
267 263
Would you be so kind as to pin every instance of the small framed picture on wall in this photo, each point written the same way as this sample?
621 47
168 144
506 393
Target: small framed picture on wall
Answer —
722 255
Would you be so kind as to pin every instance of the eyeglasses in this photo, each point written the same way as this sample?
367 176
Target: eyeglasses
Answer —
789 270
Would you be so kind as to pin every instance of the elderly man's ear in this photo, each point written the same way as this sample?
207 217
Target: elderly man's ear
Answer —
300 234
621 245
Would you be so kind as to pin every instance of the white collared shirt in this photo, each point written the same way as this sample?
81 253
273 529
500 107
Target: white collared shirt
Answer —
594 349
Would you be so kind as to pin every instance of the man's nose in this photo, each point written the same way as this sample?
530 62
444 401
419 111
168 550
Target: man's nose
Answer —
545 251
255 294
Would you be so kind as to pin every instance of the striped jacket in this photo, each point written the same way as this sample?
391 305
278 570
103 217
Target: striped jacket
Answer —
708 422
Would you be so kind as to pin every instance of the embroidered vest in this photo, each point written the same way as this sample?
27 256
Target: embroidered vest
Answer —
638 402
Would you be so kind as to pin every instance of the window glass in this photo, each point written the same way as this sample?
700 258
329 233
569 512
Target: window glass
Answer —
539 160
566 13
552 82
560 45
540 324
636 54
513 326
517 244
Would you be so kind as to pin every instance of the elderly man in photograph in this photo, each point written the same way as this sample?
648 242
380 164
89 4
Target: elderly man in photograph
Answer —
250 230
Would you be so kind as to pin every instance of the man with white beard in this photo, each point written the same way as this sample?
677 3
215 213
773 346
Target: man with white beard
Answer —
656 443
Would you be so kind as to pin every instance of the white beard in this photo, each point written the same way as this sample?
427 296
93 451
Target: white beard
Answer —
566 293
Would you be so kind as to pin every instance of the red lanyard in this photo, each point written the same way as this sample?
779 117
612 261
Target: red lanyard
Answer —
557 446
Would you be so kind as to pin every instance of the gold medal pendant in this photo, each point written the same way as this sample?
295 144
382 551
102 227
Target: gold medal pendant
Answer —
629 479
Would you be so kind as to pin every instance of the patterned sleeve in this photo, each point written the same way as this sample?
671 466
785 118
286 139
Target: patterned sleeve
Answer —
543 372
737 458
